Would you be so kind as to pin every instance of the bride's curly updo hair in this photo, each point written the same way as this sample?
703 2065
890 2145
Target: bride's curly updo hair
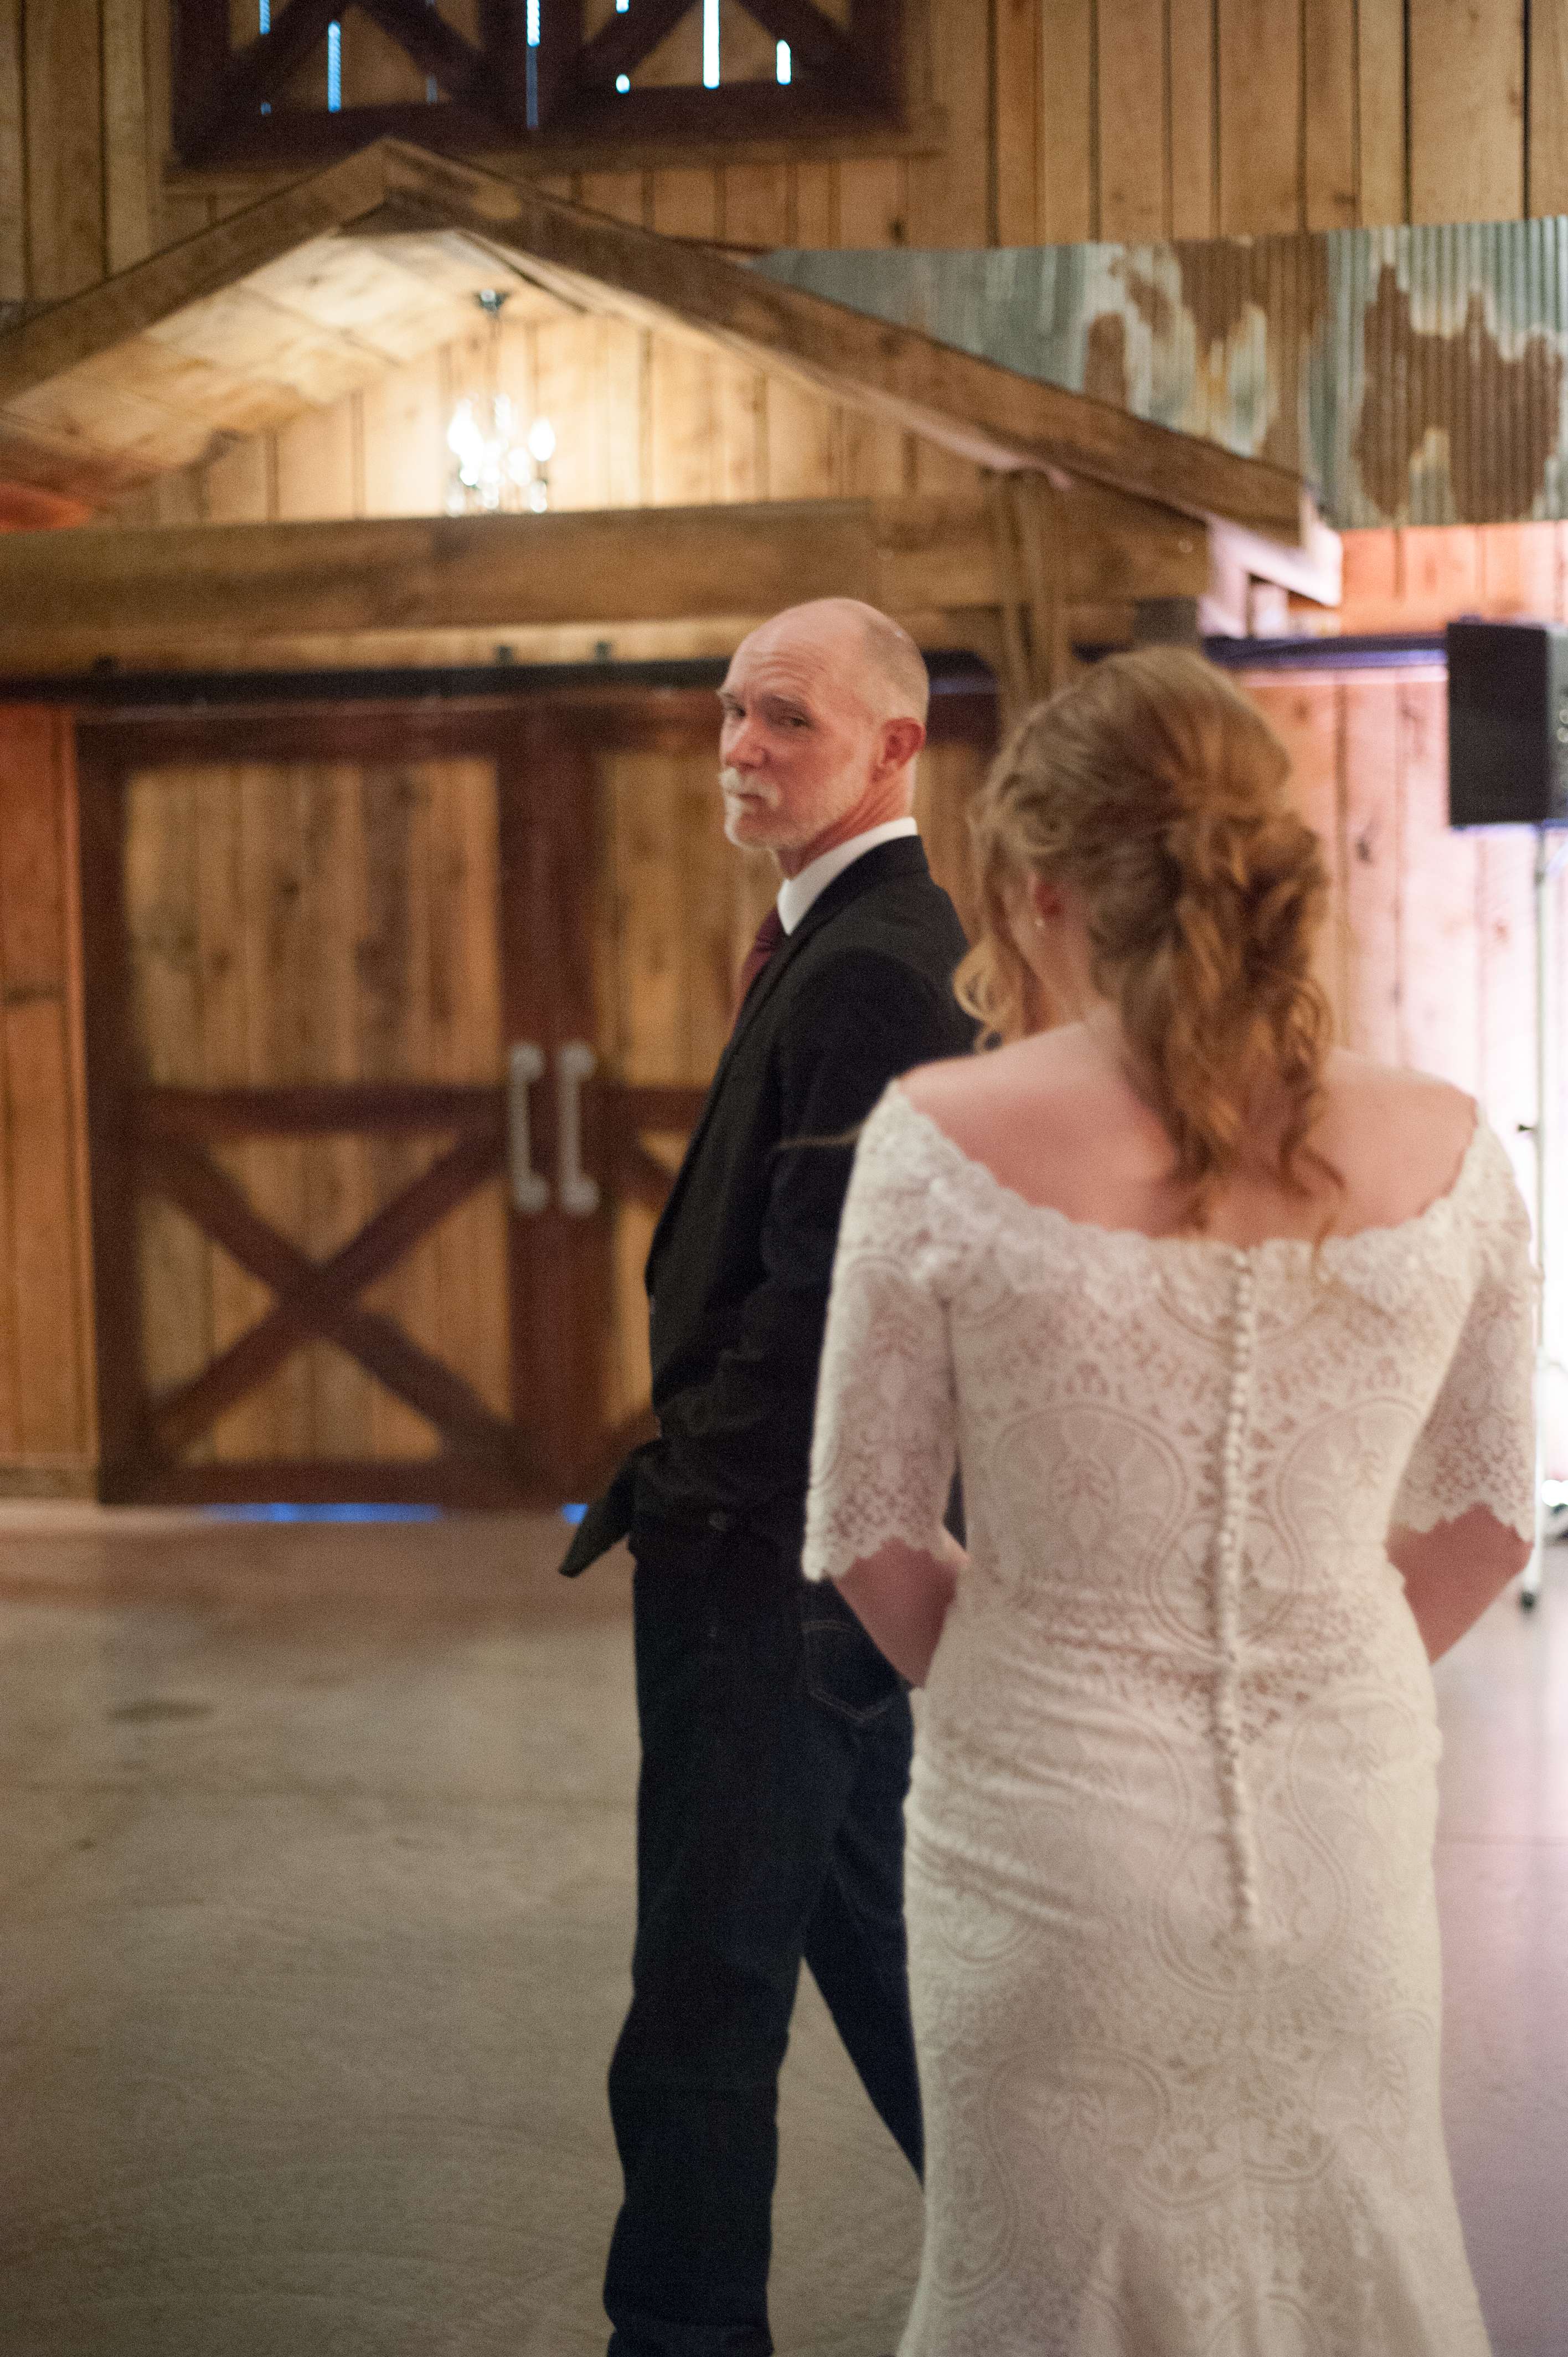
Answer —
1154 788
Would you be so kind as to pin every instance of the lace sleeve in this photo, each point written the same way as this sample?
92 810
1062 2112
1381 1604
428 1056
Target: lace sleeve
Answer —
1477 1445
883 1448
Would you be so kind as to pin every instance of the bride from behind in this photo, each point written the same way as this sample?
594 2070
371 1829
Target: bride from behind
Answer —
1230 1335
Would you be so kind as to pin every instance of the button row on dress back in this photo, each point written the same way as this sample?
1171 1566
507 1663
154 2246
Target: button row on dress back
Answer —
1227 1596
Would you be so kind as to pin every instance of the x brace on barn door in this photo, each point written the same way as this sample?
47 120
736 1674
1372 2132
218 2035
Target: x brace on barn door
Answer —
319 1300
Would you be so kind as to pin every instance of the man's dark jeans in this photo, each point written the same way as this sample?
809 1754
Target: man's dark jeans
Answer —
774 1760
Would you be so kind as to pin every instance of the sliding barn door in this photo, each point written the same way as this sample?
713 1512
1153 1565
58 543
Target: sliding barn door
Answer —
328 957
398 1023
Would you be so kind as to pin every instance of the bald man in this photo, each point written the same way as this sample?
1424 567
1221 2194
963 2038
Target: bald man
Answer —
775 1738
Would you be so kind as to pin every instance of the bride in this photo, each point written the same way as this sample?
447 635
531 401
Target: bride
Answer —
1230 1333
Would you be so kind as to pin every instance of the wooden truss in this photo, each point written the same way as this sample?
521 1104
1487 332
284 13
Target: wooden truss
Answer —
231 106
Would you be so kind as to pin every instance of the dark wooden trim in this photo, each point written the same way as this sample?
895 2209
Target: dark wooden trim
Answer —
842 83
624 42
621 716
436 46
741 111
381 1109
198 35
109 1052
816 43
206 116
659 1108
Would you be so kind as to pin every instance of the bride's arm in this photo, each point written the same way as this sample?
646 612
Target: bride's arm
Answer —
1452 1573
900 1596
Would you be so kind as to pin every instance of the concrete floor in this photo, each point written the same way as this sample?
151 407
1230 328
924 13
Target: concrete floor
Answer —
315 1904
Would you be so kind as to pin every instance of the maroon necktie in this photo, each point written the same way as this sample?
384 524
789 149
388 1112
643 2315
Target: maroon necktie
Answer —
769 934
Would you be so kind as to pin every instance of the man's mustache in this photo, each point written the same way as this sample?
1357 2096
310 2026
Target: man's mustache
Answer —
757 789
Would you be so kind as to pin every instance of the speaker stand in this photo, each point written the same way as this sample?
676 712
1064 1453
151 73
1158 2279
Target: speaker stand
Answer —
1549 858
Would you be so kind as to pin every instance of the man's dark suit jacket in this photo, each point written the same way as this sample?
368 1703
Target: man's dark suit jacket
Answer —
740 1263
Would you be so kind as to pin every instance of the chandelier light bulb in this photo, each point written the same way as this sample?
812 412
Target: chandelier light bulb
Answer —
495 466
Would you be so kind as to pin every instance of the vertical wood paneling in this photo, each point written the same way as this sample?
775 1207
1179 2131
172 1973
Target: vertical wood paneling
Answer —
166 897
1373 832
1505 924
1329 162
1068 119
1383 164
813 204
1015 133
317 471
1131 93
469 1247
1466 109
684 423
1260 115
950 195
1439 993
127 189
753 204
45 1382
873 202
64 145
620 194
685 203
1070 178
1194 162
403 419
12 159
1547 131
224 1050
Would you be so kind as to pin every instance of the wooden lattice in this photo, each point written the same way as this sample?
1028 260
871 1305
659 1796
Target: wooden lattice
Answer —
489 88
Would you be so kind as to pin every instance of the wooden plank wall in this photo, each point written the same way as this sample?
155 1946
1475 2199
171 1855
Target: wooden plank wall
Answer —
313 923
47 1428
1419 578
1068 119
1430 950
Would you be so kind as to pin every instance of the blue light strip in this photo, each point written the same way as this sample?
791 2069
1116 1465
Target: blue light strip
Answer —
710 43
261 1513
784 63
533 23
264 15
334 67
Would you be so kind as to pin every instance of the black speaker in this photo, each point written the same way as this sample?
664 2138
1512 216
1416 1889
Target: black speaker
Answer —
1507 724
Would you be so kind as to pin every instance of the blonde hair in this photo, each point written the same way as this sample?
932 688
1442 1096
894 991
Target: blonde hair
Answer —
1156 789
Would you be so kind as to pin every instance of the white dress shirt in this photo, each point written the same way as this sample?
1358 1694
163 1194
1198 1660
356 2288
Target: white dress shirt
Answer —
797 893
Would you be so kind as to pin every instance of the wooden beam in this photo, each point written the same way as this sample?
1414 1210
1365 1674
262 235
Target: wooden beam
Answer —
57 339
972 407
115 592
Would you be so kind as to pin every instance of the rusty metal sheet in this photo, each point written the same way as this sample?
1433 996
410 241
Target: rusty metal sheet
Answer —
1412 375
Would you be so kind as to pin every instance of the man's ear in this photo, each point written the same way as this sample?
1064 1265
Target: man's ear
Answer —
901 740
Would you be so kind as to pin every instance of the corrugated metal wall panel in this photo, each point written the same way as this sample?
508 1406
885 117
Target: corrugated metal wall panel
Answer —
1412 375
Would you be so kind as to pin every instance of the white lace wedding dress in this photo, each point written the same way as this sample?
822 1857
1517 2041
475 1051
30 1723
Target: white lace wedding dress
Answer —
1172 1939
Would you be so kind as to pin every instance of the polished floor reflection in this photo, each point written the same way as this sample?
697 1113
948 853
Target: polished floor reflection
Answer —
315 1903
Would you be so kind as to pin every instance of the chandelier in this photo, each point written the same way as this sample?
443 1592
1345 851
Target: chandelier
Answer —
494 468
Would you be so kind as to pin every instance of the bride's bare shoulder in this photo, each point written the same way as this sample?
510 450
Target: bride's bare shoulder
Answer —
1398 1135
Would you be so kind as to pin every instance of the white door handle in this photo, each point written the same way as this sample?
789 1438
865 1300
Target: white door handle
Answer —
530 1190
578 1194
